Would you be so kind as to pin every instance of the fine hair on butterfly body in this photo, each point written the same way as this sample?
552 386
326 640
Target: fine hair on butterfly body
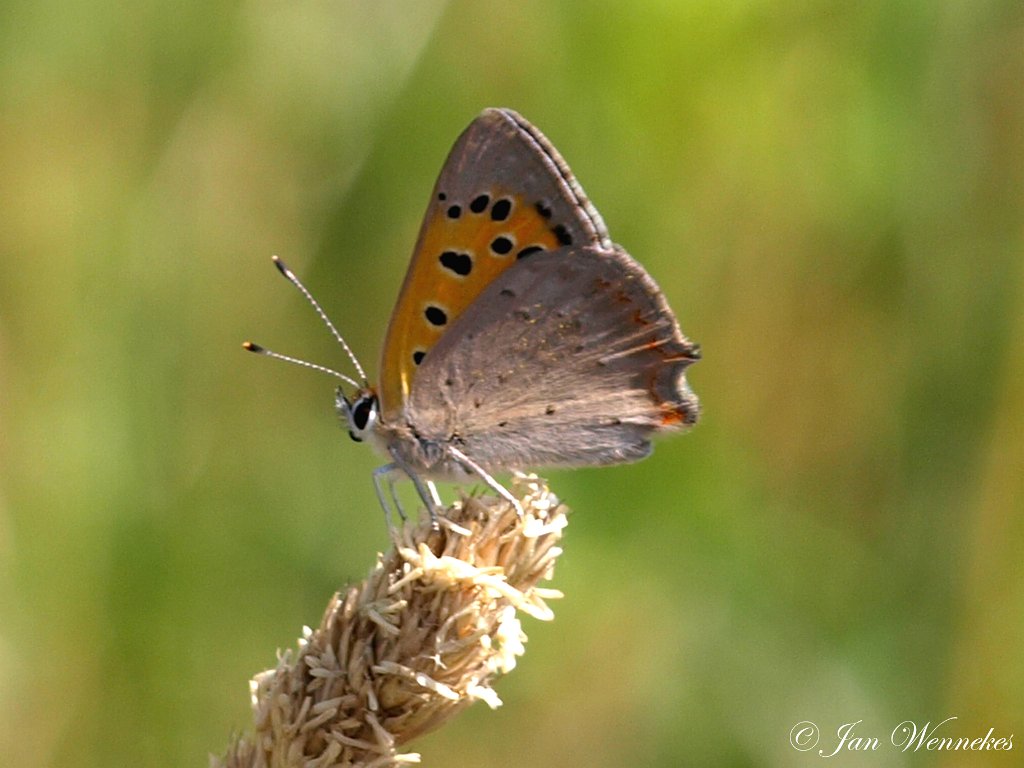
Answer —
523 337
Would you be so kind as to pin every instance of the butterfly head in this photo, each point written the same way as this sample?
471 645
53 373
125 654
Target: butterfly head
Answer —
360 412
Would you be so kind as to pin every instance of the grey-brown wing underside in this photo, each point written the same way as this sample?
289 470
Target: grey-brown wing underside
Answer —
570 358
502 149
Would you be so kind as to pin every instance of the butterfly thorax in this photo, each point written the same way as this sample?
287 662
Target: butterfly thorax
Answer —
425 456
396 441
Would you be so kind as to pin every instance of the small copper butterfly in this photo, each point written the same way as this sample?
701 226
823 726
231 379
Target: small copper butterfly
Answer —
523 337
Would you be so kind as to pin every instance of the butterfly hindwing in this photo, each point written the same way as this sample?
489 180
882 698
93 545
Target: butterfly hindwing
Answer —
503 195
504 386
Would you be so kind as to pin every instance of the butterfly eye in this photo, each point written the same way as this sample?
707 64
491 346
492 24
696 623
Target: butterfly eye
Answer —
361 413
361 416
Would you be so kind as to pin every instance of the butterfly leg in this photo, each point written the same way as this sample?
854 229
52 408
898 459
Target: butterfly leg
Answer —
489 481
382 474
392 479
426 489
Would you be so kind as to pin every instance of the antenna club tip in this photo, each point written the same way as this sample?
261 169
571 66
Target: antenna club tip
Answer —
248 345
282 267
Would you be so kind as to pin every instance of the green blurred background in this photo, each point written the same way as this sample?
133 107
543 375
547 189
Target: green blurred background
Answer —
830 194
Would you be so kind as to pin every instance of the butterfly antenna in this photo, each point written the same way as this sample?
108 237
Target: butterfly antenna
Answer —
304 363
283 269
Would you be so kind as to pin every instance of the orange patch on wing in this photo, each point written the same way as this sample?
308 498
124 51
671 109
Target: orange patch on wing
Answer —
480 246
672 415
639 319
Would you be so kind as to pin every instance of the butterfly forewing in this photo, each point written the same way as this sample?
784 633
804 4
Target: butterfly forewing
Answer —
503 195
505 384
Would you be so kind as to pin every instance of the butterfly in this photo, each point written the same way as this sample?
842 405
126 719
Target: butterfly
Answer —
523 337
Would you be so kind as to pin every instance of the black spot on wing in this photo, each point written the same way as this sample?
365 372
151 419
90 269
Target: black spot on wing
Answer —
459 263
501 209
435 315
501 245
